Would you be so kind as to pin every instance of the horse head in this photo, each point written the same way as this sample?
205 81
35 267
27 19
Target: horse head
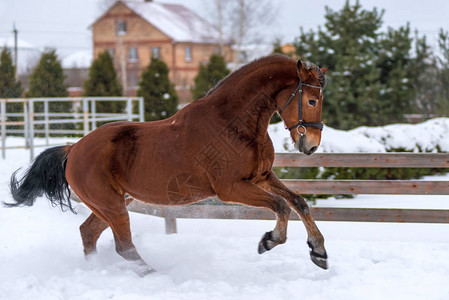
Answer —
301 113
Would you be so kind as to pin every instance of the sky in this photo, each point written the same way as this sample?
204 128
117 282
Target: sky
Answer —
64 24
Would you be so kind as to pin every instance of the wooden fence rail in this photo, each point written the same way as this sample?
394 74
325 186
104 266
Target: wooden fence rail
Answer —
360 160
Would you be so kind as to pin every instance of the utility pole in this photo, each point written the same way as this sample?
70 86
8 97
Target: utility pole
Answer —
122 57
15 50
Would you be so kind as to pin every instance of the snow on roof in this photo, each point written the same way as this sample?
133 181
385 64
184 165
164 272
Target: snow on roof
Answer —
28 54
176 21
80 59
21 44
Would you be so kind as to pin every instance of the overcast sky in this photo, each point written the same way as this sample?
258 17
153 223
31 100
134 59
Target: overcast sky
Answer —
63 24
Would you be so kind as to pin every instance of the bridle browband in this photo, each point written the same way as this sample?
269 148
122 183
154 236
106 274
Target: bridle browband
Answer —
301 123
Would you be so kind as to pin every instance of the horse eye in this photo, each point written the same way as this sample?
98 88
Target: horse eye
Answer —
312 102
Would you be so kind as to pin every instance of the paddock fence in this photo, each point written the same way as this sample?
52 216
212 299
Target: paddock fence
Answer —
31 117
332 187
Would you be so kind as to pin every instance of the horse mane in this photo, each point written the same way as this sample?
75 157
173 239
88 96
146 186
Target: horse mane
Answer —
250 67
273 58
321 75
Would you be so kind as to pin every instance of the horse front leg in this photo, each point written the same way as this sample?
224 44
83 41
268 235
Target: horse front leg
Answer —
315 239
247 193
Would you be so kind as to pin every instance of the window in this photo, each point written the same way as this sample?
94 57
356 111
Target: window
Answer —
121 27
188 54
132 55
155 52
133 79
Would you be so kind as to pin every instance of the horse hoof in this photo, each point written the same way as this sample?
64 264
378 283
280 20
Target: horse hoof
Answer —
265 244
144 272
142 269
319 260
147 272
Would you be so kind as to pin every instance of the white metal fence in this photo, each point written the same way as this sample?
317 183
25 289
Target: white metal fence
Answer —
29 117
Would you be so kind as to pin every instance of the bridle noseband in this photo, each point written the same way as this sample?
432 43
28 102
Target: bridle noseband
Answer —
300 123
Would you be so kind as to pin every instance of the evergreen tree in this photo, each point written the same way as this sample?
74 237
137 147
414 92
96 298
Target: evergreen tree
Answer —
103 82
442 103
47 79
161 100
425 80
209 75
348 46
395 64
9 88
370 73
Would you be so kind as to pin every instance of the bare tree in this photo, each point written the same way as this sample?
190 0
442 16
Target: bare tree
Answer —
243 21
217 11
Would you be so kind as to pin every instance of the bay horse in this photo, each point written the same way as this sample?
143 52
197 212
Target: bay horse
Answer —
217 145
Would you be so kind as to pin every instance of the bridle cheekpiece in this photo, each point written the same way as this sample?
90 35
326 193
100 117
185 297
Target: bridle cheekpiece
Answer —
301 124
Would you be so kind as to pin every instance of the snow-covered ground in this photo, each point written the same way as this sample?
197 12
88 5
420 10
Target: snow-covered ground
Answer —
41 254
423 137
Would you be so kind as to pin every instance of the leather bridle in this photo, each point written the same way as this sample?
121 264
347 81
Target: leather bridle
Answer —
301 124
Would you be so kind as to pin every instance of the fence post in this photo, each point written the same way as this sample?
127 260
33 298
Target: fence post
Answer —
93 113
170 225
31 127
86 116
46 125
129 109
141 110
26 124
3 120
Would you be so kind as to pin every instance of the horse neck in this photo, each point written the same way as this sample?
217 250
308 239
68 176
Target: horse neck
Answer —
251 97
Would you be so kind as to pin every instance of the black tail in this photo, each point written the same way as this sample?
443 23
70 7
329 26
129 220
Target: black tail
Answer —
45 176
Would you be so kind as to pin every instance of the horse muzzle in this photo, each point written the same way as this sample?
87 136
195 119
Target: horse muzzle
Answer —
303 146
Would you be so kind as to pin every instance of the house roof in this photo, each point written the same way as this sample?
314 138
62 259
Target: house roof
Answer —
80 60
176 21
21 44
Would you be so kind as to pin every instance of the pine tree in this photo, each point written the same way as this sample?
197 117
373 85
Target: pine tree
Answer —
209 75
349 47
47 79
395 63
9 88
425 80
103 82
442 102
161 100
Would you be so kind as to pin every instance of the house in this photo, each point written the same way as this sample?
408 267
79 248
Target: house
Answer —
134 32
289 49
76 70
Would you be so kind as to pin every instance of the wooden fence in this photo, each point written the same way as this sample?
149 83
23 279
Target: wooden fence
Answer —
364 160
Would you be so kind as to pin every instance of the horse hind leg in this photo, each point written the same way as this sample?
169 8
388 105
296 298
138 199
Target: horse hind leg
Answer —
91 230
113 212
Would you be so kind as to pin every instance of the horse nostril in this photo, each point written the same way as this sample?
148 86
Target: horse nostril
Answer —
313 149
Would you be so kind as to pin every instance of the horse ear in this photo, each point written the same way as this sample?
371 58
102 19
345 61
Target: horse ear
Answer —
324 70
302 72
